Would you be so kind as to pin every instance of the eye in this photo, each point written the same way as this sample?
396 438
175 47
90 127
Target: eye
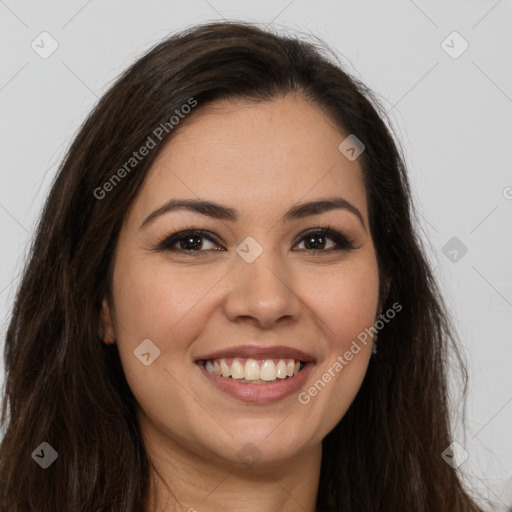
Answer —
312 237
191 241
187 241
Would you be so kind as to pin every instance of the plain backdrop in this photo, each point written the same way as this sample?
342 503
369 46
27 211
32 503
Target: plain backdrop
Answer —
449 97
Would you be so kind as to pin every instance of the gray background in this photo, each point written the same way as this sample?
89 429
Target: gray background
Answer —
453 117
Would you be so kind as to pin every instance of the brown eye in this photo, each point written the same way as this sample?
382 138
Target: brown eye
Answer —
316 240
186 241
193 241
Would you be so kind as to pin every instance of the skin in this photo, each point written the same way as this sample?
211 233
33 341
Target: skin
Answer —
260 159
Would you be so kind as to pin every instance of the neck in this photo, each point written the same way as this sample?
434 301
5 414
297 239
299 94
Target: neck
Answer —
183 480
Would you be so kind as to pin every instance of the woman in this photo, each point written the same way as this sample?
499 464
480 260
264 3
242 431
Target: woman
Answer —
196 327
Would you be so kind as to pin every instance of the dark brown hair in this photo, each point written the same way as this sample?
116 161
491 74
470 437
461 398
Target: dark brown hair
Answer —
65 387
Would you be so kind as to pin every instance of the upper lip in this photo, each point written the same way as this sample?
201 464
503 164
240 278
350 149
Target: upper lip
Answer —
257 352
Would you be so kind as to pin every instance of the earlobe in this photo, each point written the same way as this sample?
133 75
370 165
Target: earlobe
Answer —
106 331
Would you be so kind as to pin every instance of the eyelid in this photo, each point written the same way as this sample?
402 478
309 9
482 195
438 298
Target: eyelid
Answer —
166 242
342 241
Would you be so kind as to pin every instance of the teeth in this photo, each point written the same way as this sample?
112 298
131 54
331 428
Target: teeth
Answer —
226 370
252 370
267 370
281 369
237 370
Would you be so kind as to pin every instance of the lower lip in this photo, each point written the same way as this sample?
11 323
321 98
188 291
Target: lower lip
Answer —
259 393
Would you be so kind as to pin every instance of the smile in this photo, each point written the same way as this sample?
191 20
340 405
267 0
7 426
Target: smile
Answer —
254 371
257 374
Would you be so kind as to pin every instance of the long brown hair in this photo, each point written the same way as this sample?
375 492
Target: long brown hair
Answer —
66 388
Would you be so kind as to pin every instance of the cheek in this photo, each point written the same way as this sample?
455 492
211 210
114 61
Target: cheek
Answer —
357 308
346 301
169 306
162 304
152 300
348 307
353 313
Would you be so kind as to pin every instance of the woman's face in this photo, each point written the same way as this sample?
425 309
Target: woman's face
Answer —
250 296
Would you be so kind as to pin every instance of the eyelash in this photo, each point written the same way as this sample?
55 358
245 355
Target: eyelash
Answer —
167 243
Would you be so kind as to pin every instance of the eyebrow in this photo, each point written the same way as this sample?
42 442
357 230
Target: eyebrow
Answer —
218 211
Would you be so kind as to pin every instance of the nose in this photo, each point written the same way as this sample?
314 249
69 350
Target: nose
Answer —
262 292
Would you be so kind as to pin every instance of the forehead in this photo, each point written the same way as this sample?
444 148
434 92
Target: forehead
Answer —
257 157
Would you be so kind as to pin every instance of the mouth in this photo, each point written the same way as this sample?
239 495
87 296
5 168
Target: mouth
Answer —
253 371
257 375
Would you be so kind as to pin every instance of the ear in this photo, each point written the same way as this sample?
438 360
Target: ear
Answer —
109 334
